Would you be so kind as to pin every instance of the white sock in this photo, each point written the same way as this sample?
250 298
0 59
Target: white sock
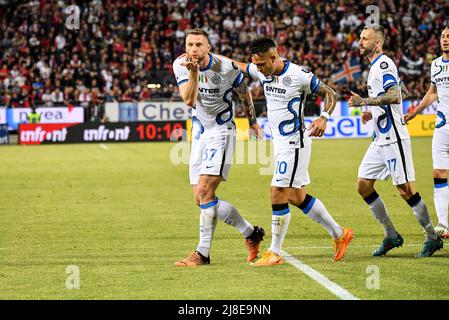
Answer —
279 226
422 215
316 211
208 221
377 207
441 201
230 215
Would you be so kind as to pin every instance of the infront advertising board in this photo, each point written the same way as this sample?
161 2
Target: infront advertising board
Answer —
48 133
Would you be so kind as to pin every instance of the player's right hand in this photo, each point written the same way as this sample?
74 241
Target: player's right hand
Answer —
192 66
366 116
409 116
257 131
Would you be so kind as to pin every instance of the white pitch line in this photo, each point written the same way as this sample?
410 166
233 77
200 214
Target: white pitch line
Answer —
105 147
352 246
318 277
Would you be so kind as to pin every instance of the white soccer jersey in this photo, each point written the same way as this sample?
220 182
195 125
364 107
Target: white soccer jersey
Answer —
286 94
439 76
217 81
388 120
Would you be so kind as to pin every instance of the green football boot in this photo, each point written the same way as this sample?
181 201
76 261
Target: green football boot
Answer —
388 244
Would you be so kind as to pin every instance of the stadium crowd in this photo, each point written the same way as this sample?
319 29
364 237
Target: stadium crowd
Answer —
123 47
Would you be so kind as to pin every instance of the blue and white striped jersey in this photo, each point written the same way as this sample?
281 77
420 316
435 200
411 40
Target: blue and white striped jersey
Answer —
388 120
217 81
439 76
286 94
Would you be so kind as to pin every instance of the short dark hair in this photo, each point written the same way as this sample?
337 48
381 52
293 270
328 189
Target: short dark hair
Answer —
198 31
262 45
376 27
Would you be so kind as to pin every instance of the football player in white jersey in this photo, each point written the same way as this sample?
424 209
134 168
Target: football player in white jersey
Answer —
286 87
439 91
390 153
206 83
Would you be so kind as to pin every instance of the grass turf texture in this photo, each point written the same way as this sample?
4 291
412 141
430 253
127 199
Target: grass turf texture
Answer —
125 215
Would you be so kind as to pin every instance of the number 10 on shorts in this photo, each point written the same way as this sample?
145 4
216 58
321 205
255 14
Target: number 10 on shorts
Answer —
281 167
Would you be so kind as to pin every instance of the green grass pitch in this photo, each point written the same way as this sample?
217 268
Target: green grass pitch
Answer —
123 215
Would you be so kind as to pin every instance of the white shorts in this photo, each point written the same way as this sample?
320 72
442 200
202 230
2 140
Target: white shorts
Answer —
291 167
440 149
213 153
394 159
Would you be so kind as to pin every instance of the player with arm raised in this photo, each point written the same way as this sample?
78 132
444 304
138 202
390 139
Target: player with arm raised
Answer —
286 87
206 83
439 91
390 154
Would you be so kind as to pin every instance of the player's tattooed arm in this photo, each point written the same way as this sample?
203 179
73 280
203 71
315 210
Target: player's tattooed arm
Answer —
392 96
247 102
318 126
248 105
330 98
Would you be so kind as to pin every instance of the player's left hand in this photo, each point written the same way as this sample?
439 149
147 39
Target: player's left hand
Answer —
317 127
258 131
355 100
366 116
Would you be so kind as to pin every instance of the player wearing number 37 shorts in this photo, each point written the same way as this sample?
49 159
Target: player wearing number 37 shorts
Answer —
206 83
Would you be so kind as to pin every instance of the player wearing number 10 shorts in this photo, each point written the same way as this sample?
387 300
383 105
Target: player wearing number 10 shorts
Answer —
286 87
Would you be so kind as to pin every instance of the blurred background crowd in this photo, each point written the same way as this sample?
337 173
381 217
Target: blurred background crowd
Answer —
124 50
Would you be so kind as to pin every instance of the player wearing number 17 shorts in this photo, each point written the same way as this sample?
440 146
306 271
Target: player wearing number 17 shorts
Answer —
390 153
286 87
206 83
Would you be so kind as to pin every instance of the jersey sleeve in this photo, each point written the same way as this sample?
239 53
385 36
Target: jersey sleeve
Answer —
307 81
432 73
388 74
251 69
235 75
181 73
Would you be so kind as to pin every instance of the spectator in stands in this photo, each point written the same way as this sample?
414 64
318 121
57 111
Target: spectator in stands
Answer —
137 41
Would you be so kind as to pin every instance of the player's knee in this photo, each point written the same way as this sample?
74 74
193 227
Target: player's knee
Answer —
196 198
296 199
439 174
205 193
364 188
278 194
405 194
